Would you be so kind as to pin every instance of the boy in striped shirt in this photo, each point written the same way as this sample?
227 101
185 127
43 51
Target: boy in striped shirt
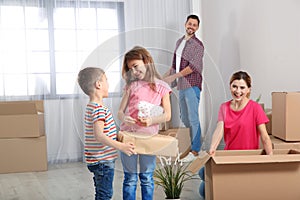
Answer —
101 145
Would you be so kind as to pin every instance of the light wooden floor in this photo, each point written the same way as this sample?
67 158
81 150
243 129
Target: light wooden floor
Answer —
70 181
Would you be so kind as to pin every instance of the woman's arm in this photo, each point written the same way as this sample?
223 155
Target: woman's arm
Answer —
216 138
265 139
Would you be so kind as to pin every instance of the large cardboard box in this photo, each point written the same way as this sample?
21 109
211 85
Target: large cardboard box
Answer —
268 112
21 119
161 145
278 143
23 154
250 174
183 136
286 115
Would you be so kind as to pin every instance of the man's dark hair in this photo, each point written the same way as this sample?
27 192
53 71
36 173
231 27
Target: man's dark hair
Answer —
193 17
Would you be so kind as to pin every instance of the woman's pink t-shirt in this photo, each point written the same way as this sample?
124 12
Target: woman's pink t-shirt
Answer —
141 91
240 127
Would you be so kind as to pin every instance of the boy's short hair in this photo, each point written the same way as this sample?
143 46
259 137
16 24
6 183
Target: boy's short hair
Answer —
87 78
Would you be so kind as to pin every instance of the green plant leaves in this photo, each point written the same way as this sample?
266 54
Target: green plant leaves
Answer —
171 177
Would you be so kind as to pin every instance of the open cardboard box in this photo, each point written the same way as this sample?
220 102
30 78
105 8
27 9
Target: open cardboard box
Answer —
21 119
250 174
161 145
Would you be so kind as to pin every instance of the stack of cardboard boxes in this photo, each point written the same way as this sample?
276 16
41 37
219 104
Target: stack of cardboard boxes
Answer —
250 174
22 137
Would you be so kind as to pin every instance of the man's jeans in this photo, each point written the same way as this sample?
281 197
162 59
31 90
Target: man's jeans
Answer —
147 165
189 100
103 179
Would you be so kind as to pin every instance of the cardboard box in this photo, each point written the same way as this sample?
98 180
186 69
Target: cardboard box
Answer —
268 112
162 145
249 174
21 119
286 115
278 143
183 137
23 154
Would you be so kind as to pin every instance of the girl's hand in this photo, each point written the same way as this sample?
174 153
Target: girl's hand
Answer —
129 120
128 149
147 121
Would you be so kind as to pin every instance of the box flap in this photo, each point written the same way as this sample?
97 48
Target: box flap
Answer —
227 157
256 156
199 162
21 107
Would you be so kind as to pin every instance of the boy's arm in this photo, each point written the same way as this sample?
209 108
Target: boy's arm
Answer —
127 148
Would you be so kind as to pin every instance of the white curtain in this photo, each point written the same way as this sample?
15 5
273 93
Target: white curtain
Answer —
44 43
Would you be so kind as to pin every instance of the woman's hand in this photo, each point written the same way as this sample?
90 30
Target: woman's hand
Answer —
211 152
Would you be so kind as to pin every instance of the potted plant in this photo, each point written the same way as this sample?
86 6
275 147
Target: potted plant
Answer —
171 176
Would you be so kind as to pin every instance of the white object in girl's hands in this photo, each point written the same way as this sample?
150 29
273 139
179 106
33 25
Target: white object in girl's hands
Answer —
147 109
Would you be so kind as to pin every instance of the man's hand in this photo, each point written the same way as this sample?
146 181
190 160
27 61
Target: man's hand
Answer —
169 79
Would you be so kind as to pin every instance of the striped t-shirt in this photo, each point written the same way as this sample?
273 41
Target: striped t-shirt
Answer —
94 151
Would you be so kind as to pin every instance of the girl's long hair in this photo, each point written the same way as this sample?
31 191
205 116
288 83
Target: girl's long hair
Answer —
140 53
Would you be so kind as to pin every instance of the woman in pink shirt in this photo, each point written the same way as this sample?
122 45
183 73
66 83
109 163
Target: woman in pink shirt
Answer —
241 121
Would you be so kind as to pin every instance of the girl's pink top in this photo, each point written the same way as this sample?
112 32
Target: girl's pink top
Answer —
141 91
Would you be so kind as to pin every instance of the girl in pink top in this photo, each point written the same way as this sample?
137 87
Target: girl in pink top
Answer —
143 83
241 120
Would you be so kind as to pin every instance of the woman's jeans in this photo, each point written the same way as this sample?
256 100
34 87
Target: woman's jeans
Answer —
103 179
147 165
189 100
202 184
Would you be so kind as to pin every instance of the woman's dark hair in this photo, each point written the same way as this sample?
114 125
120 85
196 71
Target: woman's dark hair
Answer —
241 75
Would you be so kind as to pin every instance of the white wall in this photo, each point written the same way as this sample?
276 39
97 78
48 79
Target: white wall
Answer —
261 37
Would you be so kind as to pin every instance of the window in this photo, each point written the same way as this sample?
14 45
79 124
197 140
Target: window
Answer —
44 43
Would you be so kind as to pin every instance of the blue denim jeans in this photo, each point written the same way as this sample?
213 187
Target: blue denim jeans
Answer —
147 165
202 184
189 100
103 179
